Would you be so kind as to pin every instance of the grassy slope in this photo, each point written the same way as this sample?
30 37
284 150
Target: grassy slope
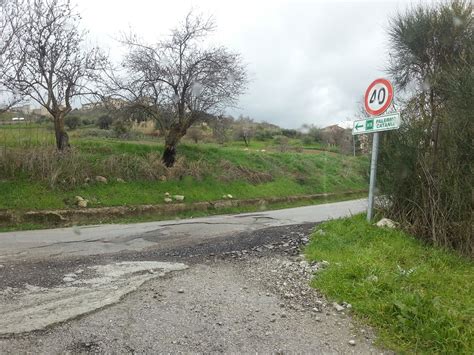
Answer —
419 297
293 174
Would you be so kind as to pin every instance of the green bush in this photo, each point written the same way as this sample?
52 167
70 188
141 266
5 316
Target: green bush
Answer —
307 140
104 122
72 122
263 135
88 121
290 133
281 140
426 166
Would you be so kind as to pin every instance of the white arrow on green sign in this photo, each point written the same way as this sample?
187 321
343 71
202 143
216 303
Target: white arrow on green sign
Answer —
377 124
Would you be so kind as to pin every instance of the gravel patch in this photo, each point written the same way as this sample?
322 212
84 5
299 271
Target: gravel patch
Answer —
242 295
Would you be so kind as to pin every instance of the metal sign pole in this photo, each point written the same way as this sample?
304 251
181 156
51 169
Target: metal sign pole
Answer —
373 175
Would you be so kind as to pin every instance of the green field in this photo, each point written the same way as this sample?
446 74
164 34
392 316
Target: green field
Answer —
418 297
34 176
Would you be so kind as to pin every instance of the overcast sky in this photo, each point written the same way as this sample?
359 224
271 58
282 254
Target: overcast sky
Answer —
309 61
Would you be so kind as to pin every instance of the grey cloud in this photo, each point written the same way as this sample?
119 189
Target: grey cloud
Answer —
310 61
313 63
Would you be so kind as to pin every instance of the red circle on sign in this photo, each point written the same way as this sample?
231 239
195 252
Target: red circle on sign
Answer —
387 98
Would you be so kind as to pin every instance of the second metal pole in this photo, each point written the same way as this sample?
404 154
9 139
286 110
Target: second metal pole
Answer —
373 175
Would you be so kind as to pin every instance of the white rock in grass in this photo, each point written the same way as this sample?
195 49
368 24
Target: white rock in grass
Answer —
386 222
101 179
372 278
82 203
168 200
323 264
229 196
178 197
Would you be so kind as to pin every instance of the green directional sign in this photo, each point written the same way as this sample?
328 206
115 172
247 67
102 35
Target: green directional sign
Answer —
377 124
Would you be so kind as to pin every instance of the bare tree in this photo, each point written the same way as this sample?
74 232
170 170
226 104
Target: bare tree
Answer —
9 26
245 129
48 62
220 126
179 81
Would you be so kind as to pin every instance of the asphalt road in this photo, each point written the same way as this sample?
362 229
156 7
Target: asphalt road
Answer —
113 238
234 283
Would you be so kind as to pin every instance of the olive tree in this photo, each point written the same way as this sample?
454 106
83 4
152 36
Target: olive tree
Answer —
179 81
48 62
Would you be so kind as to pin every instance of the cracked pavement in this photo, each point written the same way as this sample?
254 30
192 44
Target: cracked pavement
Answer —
217 284
113 238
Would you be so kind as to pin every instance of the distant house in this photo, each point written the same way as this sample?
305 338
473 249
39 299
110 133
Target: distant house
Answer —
90 106
333 134
25 109
40 111
111 103
338 136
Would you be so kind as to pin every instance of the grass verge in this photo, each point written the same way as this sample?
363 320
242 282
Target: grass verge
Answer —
420 298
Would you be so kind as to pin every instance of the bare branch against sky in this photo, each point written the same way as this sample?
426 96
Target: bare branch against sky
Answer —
47 61
179 80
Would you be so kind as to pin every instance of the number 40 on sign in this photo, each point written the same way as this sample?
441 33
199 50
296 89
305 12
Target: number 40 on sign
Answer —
377 100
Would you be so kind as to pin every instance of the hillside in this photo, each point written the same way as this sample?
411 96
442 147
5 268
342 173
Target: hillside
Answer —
41 179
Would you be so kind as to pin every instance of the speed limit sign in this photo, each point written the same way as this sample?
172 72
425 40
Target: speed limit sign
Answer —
377 100
378 97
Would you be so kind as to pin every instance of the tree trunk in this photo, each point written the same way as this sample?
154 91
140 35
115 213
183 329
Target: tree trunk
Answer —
62 138
171 141
169 155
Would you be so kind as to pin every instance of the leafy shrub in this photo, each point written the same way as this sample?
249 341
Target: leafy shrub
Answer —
290 133
280 140
426 165
72 122
122 129
87 121
263 134
307 139
104 122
